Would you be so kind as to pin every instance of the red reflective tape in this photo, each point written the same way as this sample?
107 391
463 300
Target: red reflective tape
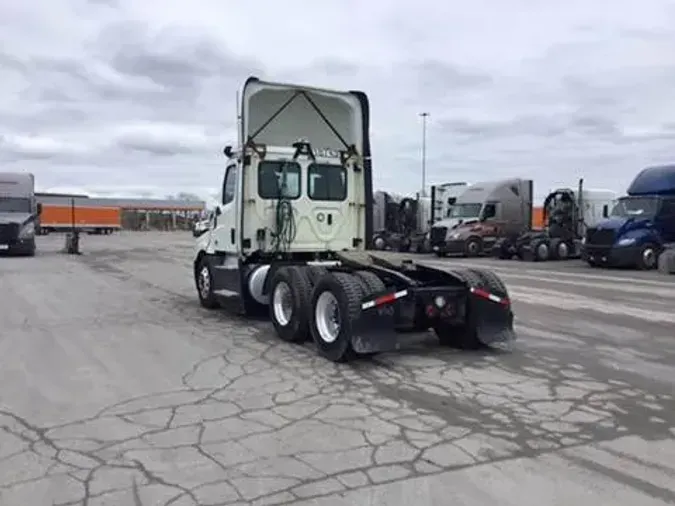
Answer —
391 297
384 299
489 296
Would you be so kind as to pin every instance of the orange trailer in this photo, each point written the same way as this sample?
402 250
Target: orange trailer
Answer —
94 219
537 218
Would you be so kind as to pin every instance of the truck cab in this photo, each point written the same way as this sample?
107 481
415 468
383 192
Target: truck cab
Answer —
640 225
481 215
19 213
566 214
290 234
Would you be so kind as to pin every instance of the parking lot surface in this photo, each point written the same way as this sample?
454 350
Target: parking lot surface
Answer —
117 389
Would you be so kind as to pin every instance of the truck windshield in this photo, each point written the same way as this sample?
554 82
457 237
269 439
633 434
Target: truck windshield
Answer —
465 210
14 205
632 207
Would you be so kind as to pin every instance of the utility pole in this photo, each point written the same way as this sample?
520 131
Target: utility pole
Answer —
424 116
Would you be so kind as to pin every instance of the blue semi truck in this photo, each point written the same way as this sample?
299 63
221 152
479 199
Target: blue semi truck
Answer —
640 226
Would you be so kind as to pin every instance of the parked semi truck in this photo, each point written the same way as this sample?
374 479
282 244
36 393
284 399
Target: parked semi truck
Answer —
403 223
567 214
482 214
640 226
299 251
18 213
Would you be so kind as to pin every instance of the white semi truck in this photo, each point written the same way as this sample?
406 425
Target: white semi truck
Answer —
293 226
19 213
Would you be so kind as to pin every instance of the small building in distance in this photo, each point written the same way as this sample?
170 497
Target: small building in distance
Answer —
133 213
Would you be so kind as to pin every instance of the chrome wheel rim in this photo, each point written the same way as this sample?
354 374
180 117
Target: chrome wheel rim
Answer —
282 303
562 250
204 282
542 251
649 257
327 317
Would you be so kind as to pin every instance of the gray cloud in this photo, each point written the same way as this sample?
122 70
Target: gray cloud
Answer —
115 95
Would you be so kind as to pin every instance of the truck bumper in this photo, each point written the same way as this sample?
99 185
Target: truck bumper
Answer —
449 247
491 317
17 246
625 256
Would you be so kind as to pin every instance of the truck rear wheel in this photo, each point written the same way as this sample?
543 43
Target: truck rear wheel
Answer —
336 305
540 251
562 250
370 283
290 290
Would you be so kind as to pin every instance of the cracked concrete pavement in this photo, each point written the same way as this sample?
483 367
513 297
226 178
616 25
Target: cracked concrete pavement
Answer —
116 388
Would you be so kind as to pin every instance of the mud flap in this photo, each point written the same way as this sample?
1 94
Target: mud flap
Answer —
492 319
374 330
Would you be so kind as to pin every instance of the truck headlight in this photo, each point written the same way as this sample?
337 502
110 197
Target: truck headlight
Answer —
27 231
583 240
628 241
454 235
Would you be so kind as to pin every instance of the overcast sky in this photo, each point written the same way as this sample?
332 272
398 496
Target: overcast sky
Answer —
138 97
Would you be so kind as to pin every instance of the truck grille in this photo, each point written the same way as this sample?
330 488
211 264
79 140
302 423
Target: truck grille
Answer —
600 237
8 232
437 235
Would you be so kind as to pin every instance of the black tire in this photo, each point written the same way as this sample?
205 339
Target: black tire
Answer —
562 250
204 283
473 247
371 283
347 291
379 243
292 328
29 250
645 264
490 282
314 273
538 248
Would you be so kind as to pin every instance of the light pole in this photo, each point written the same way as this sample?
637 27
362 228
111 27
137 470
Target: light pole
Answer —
424 116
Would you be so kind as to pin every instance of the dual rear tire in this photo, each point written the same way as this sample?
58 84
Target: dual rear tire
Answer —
312 303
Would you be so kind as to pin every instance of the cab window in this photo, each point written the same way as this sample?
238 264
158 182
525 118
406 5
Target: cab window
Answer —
278 179
327 182
229 184
489 211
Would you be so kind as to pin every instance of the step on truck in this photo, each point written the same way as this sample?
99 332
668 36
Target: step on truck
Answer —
19 213
641 225
566 214
291 237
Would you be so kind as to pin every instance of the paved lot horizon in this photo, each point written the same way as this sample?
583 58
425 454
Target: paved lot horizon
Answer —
116 388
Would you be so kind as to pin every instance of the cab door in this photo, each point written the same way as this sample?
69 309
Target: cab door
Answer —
224 236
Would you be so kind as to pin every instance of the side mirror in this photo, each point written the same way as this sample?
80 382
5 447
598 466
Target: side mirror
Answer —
227 151
605 211
39 208
218 212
